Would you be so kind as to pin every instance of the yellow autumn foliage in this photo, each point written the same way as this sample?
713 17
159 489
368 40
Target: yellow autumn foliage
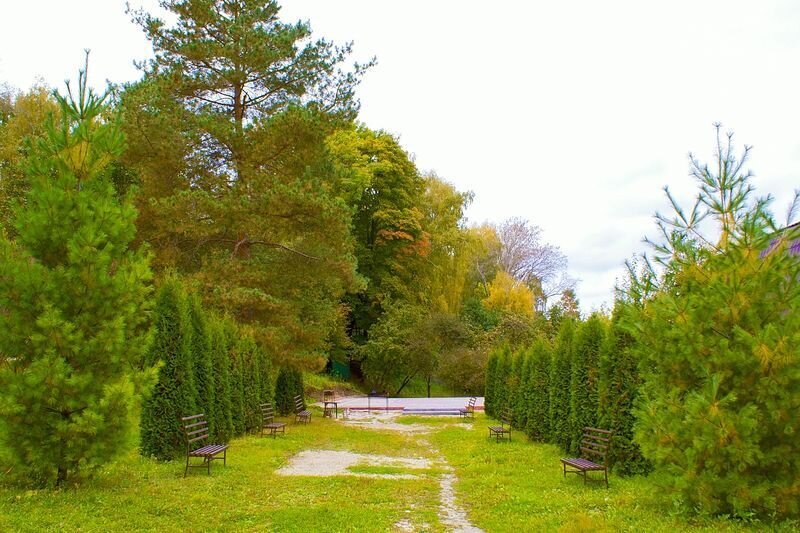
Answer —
509 295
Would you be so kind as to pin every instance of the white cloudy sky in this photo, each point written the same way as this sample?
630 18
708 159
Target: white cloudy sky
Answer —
572 114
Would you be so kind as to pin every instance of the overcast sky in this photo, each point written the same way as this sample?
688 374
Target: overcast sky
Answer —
572 114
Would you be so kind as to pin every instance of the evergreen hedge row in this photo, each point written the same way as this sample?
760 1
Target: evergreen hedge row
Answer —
585 377
206 364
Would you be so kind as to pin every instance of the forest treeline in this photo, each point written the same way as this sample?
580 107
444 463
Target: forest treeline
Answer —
256 185
183 237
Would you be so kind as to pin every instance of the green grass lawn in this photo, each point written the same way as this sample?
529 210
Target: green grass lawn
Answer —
513 486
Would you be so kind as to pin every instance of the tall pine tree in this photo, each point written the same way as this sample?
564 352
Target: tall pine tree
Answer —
74 296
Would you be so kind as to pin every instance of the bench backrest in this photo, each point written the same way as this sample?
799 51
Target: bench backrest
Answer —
506 417
267 414
299 405
328 396
196 429
595 443
471 403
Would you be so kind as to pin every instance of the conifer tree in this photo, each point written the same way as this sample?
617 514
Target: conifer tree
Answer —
251 381
74 300
584 378
200 347
284 391
718 336
491 383
617 392
560 385
504 366
221 360
516 362
297 384
266 376
237 104
238 406
175 395
523 397
538 420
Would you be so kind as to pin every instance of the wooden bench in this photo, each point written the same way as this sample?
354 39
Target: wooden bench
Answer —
594 444
300 412
504 429
196 429
330 406
268 421
469 409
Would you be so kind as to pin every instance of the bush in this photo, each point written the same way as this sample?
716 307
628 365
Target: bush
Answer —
538 419
285 390
200 347
221 360
490 390
584 379
617 392
174 395
560 385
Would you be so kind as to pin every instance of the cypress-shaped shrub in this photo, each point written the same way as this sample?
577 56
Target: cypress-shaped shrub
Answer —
539 375
617 392
560 374
584 403
503 372
298 386
513 384
285 391
200 346
238 411
266 378
491 382
522 404
251 381
174 395
221 362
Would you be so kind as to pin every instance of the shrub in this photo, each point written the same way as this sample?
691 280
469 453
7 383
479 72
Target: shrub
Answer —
285 391
617 392
584 379
560 385
200 348
174 395
538 419
221 361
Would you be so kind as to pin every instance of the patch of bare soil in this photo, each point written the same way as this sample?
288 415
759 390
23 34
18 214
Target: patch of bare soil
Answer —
450 513
337 463
383 421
